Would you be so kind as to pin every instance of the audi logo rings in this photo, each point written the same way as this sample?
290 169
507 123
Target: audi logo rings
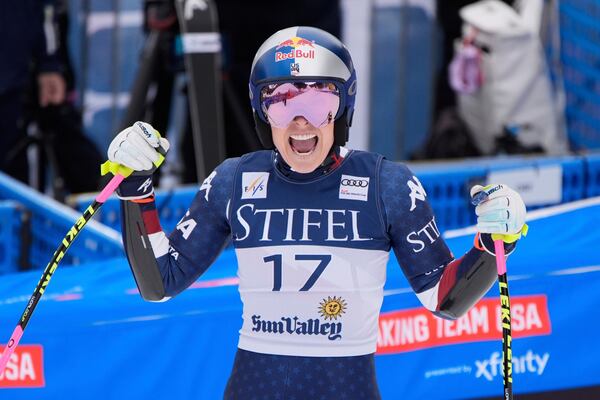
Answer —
355 182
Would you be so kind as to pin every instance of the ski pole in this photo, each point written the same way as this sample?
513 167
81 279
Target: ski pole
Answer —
120 172
504 302
53 264
506 318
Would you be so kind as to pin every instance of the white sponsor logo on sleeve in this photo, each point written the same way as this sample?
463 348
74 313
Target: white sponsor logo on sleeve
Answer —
416 192
144 186
423 237
206 185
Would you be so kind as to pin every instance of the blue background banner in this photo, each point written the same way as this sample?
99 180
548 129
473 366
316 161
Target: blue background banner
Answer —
100 340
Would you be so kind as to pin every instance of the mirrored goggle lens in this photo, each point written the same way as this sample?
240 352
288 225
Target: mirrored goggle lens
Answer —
317 102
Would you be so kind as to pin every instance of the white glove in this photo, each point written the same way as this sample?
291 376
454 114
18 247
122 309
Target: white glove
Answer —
136 147
500 210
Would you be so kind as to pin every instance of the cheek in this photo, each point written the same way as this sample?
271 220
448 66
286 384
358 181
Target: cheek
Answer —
278 138
327 137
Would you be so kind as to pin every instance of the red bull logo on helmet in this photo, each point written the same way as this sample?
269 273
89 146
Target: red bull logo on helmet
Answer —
285 43
297 44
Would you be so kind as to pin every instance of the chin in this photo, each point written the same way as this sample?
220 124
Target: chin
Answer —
304 148
304 163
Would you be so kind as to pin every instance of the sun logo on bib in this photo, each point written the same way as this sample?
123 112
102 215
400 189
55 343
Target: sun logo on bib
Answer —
332 307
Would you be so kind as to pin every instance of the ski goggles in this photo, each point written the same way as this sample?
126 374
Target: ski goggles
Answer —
318 102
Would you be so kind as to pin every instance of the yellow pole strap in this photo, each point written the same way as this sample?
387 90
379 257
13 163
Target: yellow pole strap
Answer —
511 238
114 168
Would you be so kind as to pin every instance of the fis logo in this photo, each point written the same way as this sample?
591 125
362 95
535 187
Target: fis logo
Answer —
254 185
531 362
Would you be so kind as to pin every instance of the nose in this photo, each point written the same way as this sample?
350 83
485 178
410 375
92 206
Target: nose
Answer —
300 120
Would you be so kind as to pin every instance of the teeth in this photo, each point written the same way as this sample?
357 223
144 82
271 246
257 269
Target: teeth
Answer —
306 136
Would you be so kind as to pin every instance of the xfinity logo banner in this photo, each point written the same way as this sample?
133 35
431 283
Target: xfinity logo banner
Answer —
490 368
531 362
354 188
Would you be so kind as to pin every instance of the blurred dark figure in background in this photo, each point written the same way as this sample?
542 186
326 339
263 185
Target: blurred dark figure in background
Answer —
36 87
244 25
23 41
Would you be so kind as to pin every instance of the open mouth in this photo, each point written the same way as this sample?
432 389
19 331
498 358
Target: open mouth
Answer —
305 144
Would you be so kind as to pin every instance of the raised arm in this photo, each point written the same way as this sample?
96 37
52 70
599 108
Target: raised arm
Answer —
162 265
445 285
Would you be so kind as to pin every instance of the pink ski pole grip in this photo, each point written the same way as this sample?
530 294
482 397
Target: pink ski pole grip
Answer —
500 256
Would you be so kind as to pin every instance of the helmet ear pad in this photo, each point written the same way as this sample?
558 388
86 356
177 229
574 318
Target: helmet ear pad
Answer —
263 130
341 129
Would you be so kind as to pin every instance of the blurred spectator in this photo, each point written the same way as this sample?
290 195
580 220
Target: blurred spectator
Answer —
450 136
24 39
451 28
36 87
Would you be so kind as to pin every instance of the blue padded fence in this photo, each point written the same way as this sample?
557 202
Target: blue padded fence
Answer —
10 217
171 205
580 59
447 185
50 221
592 177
